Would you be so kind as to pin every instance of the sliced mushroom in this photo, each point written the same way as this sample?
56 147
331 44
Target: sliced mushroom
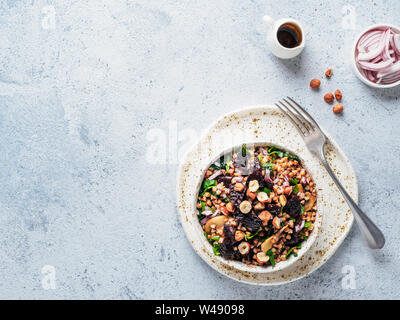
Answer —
245 206
244 247
261 257
310 202
267 244
239 235
265 216
218 221
253 185
282 200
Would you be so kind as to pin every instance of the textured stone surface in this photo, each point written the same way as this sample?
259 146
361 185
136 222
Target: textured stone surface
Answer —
82 189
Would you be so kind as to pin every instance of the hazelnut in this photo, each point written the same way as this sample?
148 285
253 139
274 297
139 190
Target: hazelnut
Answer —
239 235
262 197
253 185
288 190
338 95
328 73
337 108
251 195
259 206
245 206
276 222
230 207
315 83
261 257
244 248
265 216
239 187
329 97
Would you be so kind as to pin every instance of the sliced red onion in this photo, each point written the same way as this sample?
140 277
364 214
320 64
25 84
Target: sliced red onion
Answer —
299 227
237 179
264 152
303 180
204 221
396 43
286 184
207 212
276 180
378 55
215 174
268 176
375 66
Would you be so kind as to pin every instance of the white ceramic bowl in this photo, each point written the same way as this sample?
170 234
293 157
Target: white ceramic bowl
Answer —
305 245
356 67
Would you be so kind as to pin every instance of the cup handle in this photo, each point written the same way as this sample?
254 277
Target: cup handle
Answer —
268 21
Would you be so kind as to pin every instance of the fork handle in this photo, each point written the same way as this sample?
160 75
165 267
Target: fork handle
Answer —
371 233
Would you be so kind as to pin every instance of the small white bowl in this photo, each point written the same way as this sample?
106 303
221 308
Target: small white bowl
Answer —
356 67
239 265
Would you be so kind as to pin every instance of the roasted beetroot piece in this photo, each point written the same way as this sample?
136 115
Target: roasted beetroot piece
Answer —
229 232
256 173
226 250
294 240
293 207
236 197
249 221
273 209
225 179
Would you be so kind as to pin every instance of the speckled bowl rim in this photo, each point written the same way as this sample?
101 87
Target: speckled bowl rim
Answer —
336 242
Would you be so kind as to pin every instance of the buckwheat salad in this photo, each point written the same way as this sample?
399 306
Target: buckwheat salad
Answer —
257 205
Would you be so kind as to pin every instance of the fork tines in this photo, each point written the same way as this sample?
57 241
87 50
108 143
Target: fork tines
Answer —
298 116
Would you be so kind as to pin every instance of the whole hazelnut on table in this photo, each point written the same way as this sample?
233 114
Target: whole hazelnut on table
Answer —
328 73
315 83
337 108
329 97
338 95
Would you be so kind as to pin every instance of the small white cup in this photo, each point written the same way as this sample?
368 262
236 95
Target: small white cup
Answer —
272 38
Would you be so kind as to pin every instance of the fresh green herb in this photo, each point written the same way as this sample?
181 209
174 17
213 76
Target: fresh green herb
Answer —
266 190
293 181
203 205
289 252
307 224
268 165
295 190
303 235
253 235
295 254
273 150
244 150
293 219
207 185
214 238
227 163
282 224
205 234
216 247
226 200
302 209
298 246
271 257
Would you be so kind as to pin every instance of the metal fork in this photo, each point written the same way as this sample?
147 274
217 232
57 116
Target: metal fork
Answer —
315 141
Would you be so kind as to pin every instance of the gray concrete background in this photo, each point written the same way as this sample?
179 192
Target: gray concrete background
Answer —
82 97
